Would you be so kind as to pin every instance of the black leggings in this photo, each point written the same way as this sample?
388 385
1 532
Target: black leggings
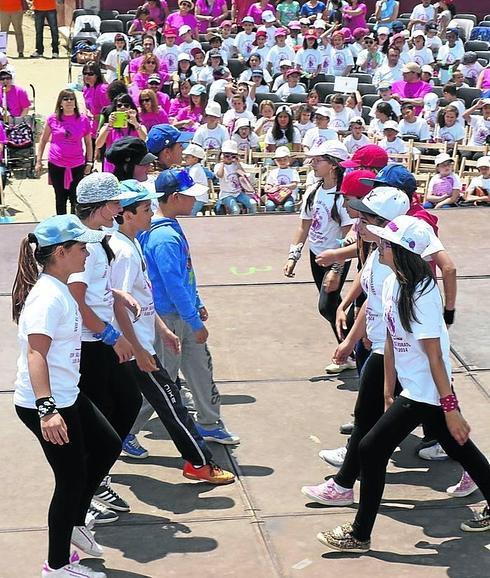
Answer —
329 302
62 195
110 385
78 466
369 408
391 429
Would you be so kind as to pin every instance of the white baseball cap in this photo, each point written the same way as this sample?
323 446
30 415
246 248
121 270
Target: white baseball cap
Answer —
427 68
386 202
284 108
383 30
213 109
248 19
268 16
184 28
483 162
230 146
330 148
183 56
282 152
323 111
241 123
418 33
410 233
319 23
194 150
392 124
285 63
442 158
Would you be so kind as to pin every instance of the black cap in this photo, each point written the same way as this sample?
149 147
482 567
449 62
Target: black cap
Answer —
129 149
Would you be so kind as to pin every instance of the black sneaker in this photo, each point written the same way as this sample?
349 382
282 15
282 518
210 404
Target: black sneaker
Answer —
99 514
480 522
107 496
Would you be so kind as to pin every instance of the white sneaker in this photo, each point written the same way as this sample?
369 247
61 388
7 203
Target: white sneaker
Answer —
463 488
336 368
433 453
334 457
83 538
71 571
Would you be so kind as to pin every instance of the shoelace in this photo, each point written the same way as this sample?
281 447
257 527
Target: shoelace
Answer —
215 468
135 443
485 513
97 508
107 485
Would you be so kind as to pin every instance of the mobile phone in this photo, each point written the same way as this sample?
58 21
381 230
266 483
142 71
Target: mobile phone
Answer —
120 120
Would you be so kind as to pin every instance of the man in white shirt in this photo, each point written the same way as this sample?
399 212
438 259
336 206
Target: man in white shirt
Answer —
391 70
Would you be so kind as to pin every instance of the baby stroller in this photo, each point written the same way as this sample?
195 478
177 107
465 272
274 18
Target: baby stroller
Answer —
20 150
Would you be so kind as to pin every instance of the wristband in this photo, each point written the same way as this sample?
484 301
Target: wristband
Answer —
449 316
337 268
295 251
449 403
45 406
109 336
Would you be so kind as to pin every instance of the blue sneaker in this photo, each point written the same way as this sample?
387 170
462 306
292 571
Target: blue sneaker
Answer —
131 448
219 435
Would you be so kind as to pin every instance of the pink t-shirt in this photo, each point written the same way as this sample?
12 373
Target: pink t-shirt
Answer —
176 20
149 119
255 11
96 99
412 90
157 14
188 114
17 100
485 85
163 101
359 21
217 9
176 104
113 135
134 65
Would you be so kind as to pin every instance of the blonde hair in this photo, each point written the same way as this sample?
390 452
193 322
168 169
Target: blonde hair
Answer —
150 94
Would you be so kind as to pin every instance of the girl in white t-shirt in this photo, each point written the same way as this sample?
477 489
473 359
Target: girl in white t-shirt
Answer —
444 189
322 132
448 129
356 139
480 124
283 131
417 352
340 114
341 61
282 183
324 221
79 443
304 116
245 138
391 142
383 114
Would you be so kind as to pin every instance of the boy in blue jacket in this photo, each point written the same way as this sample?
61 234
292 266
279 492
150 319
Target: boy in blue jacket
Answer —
177 300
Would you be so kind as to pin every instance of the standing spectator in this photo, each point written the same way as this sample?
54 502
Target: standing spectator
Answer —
68 131
211 13
311 9
184 16
94 94
13 98
45 10
354 15
288 11
13 13
256 10
116 58
421 15
386 12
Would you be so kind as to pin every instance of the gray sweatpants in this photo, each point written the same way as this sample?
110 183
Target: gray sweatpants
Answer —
196 365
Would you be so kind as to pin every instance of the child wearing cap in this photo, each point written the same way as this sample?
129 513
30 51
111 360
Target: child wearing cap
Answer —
193 155
230 173
420 53
237 110
340 114
281 183
280 51
191 116
370 58
291 86
244 137
470 67
308 59
260 47
391 142
188 43
212 134
341 61
244 40
449 55
356 139
168 52
243 87
444 189
321 133
116 58
478 191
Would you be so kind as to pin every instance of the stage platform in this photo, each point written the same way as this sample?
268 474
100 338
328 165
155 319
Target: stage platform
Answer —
269 346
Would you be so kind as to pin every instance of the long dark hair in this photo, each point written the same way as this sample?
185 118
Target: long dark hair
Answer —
61 96
442 111
410 270
339 175
386 108
29 265
95 68
278 132
125 99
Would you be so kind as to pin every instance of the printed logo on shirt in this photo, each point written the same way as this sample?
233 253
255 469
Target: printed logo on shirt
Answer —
211 143
443 187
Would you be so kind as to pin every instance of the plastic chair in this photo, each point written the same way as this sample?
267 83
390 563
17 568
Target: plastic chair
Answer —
362 77
366 89
126 19
484 23
464 26
105 48
369 99
469 95
297 98
108 14
220 98
471 17
268 96
111 26
475 45
483 54
324 89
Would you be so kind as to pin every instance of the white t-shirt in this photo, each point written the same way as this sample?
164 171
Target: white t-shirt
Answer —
376 127
420 129
186 47
479 181
373 275
169 55
231 116
421 57
284 177
278 53
326 54
285 90
449 55
269 138
480 129
316 136
209 138
433 43
50 310
99 293
244 43
471 70
397 146
351 144
128 273
115 58
304 128
198 175
443 186
206 77
421 12
388 74
244 144
411 362
450 133
339 121
395 105
339 60
308 60
324 231
229 184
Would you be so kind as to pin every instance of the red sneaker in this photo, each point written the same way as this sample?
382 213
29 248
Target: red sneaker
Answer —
209 473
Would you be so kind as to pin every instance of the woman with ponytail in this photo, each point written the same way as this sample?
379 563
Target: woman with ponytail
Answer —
417 352
324 221
79 443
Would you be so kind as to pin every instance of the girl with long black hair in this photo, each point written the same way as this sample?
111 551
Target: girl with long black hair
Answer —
283 131
417 352
79 443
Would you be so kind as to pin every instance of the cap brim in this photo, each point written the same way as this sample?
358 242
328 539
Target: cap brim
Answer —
123 195
148 159
185 137
372 182
91 236
350 164
195 191
358 205
150 196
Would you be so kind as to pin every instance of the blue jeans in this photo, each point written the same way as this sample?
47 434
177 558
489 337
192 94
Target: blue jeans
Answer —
198 205
50 16
287 206
233 204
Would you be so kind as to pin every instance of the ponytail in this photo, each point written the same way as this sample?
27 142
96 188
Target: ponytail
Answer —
339 174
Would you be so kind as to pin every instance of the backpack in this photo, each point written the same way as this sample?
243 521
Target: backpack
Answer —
480 33
84 52
20 136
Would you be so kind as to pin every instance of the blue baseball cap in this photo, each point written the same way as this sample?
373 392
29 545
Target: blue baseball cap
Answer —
163 136
178 181
396 176
63 228
140 193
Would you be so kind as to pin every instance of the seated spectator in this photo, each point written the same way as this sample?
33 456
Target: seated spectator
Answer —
279 52
447 128
386 95
427 74
283 131
163 99
340 114
183 17
182 98
449 55
446 11
478 191
214 61
411 90
14 98
483 82
190 117
197 63
432 39
256 10
281 186
308 59
383 114
479 123
420 53
341 62
413 126
184 69
244 40
370 58
314 137
391 142
311 9
149 66
356 139
238 110
280 79
216 43
291 86
141 22
470 68
260 45
148 48
211 13
150 113
304 120
444 188
221 79
245 89
358 45
244 137
158 10
259 85
430 110
353 102
382 39
192 156
458 79
266 118
450 95
212 134
168 52
254 62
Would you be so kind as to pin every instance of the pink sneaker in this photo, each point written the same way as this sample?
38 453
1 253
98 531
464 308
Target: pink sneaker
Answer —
328 494
463 488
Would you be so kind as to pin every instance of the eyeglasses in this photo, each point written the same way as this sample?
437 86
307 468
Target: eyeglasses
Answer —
123 105
68 98
88 73
230 156
145 100
368 42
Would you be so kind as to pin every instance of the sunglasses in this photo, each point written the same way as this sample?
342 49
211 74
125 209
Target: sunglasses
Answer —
88 73
123 105
230 156
68 98
368 42
145 99
151 62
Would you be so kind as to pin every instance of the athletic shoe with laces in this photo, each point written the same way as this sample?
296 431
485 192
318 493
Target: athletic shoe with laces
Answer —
334 457
71 571
99 514
341 538
107 496
463 488
328 493
433 453
36 54
211 473
479 523
336 368
219 435
132 448
83 539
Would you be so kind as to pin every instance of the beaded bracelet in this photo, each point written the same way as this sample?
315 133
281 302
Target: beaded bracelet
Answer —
109 336
295 252
45 406
449 403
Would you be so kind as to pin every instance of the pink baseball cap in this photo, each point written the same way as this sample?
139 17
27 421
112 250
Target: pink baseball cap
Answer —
351 185
367 156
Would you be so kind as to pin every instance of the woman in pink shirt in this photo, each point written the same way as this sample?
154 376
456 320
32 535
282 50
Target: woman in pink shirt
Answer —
70 154
94 94
182 98
149 65
150 113
483 82
184 16
256 10
354 16
3 142
158 10
211 13
109 134
14 98
190 118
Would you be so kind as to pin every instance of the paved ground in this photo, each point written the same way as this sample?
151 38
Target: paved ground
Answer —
269 347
